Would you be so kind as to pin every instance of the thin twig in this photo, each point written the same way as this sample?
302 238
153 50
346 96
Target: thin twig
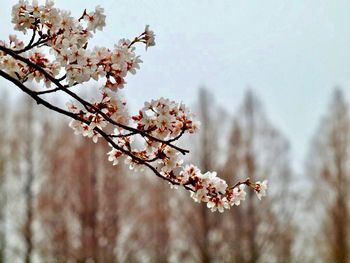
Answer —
39 42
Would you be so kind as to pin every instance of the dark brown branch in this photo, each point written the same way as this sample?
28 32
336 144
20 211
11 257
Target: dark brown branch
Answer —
47 91
246 182
28 47
62 78
177 137
129 134
31 40
122 135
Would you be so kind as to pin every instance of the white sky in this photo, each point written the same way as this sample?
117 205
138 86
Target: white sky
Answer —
292 53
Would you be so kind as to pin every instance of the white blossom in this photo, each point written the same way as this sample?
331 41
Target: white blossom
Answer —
113 156
260 188
239 195
149 37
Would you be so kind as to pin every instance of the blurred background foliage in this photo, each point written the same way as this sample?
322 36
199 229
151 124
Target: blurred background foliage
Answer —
62 201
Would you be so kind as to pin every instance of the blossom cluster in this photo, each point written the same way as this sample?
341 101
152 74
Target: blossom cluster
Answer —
20 70
113 107
67 39
59 50
165 118
163 121
215 191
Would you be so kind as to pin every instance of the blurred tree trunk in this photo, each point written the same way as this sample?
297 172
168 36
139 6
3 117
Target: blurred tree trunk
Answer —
249 109
29 174
3 164
206 159
88 199
110 205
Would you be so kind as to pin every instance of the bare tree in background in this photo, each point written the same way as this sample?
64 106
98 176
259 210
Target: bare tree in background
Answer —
79 202
257 150
147 224
24 167
206 154
110 206
23 151
55 243
329 167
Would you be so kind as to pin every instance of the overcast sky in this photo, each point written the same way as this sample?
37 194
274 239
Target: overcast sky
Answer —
292 53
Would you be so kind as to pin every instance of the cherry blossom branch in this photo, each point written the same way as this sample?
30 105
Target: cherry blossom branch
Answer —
160 123
236 192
